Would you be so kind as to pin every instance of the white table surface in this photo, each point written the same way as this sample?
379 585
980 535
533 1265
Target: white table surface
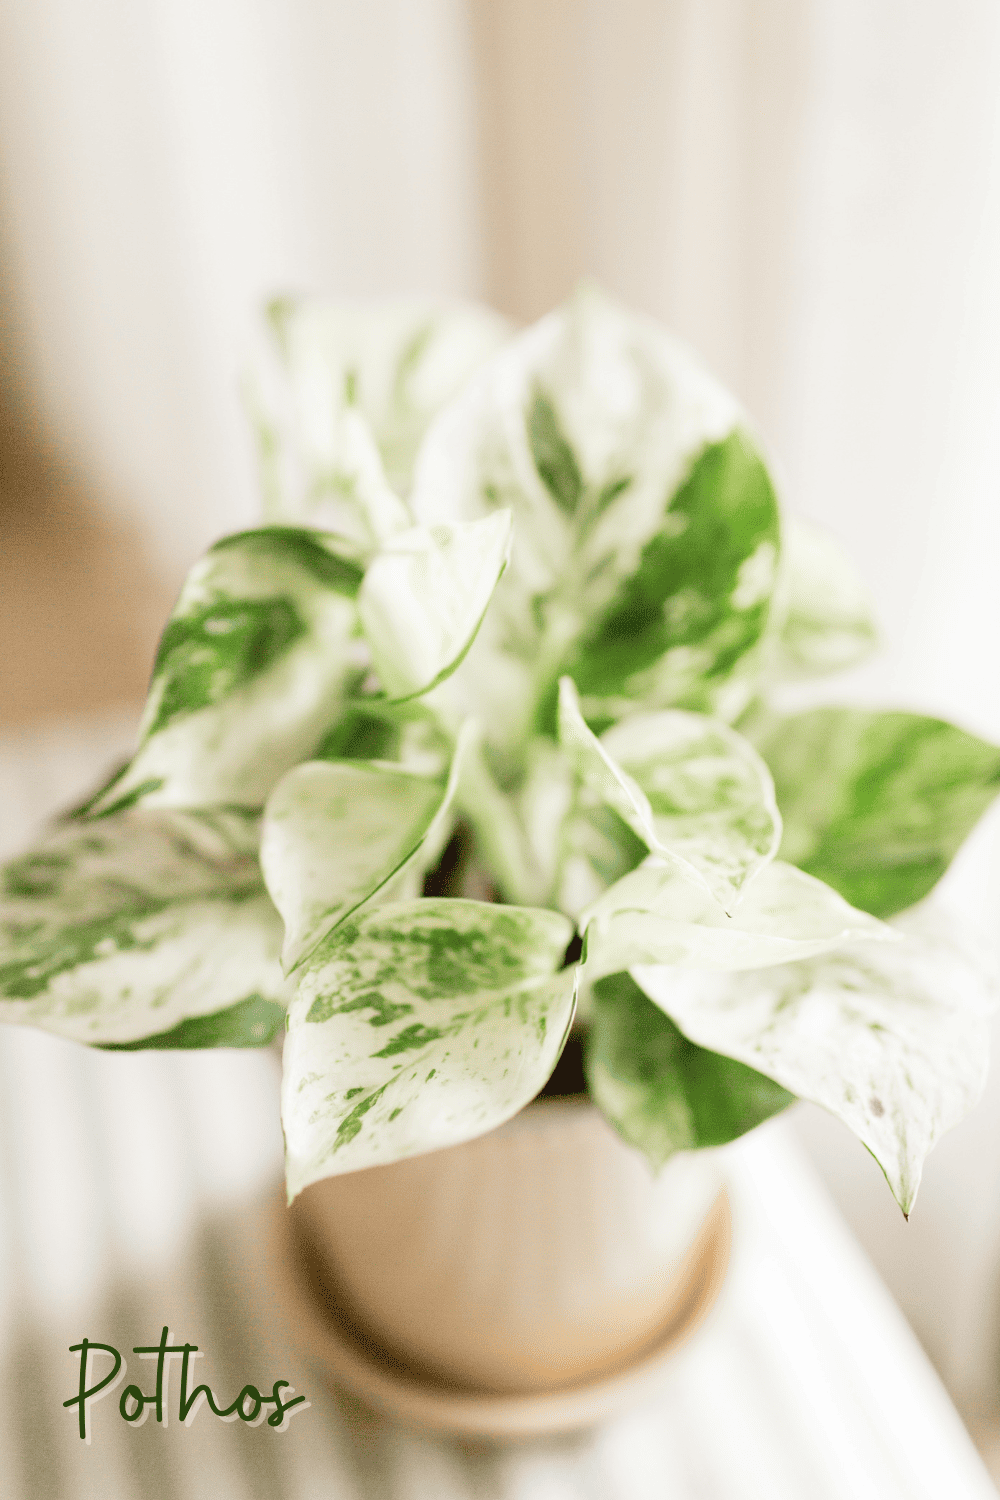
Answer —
131 1195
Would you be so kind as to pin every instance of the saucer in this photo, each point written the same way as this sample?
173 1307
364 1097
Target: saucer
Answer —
325 1334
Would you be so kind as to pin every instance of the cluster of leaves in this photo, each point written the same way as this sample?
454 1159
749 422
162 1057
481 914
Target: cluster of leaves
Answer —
526 598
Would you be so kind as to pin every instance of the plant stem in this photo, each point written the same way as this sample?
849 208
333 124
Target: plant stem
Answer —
498 830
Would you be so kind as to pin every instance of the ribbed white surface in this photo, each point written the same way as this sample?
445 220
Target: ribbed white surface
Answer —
130 1193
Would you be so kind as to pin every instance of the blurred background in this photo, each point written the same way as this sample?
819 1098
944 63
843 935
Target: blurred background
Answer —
807 190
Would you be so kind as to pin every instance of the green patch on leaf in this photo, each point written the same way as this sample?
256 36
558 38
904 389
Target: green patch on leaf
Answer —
332 569
877 804
34 874
360 735
661 1092
410 1038
252 1022
553 456
383 1012
703 582
205 655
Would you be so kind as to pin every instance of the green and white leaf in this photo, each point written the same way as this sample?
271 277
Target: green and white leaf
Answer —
424 597
646 527
827 616
132 925
877 804
249 671
335 832
658 915
418 1026
662 1093
892 1038
394 364
690 787
711 795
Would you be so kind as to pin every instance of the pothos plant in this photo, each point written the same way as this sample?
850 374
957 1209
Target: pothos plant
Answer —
481 730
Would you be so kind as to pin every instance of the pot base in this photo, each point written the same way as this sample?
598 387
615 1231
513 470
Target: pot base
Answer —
354 1361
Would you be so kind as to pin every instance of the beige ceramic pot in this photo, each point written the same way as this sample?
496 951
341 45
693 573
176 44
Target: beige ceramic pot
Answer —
542 1259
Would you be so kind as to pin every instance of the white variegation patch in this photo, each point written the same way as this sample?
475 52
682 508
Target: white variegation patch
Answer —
418 1026
691 788
659 915
892 1038
335 833
424 597
220 730
123 927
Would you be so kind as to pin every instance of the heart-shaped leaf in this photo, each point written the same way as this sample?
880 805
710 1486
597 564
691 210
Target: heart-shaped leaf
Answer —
133 925
658 915
248 672
691 788
336 832
660 1091
892 1038
424 598
711 795
876 804
417 1026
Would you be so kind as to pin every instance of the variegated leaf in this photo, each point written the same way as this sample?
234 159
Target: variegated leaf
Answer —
418 1026
827 621
248 673
424 597
690 787
877 804
646 527
391 364
662 1093
710 793
127 927
892 1038
658 915
335 832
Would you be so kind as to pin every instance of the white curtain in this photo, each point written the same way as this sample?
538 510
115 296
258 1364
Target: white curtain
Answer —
167 164
809 190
